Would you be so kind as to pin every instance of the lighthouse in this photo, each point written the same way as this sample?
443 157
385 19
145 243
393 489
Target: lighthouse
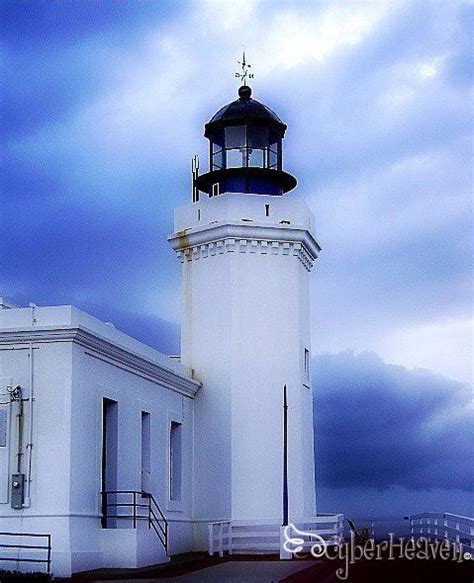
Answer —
247 244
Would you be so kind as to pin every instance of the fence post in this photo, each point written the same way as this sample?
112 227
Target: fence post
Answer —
221 539
134 510
104 509
149 512
229 526
49 554
211 539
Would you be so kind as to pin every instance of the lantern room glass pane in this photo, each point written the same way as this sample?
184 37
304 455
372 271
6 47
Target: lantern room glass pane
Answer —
235 136
218 160
218 139
256 157
257 136
235 158
272 159
275 147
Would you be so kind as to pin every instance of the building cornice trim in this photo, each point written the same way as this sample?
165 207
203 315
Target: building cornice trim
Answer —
155 372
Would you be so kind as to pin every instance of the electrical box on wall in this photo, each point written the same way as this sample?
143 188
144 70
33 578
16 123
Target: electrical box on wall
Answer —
17 490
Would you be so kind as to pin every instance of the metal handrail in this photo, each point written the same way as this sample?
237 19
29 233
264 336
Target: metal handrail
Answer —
154 515
46 548
155 521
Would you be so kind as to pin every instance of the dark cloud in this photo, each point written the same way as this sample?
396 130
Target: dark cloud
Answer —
382 426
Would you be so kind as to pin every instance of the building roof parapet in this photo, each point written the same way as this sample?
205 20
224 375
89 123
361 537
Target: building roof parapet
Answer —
132 355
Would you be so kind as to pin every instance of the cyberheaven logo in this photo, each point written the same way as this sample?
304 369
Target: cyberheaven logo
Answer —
350 552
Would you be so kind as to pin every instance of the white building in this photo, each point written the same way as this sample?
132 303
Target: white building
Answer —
185 448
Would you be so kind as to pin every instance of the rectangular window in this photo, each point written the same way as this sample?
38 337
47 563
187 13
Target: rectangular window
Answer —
175 457
215 189
109 444
267 210
146 457
306 364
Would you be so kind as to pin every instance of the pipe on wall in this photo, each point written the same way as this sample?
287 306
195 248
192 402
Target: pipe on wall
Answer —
20 424
29 445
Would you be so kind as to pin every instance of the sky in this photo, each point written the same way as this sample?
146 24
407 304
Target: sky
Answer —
103 106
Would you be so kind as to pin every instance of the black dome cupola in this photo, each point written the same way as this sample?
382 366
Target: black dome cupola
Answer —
245 150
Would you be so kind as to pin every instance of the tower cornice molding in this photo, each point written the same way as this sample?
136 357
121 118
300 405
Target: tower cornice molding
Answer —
235 237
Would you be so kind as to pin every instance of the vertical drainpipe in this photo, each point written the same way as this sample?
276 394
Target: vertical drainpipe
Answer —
29 445
20 420
285 458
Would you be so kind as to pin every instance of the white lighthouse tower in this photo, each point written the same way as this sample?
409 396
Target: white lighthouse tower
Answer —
247 246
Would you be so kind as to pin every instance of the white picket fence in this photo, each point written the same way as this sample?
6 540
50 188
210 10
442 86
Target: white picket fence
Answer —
457 529
240 537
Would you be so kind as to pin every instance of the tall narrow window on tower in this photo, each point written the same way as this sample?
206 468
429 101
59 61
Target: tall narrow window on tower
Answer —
175 459
306 365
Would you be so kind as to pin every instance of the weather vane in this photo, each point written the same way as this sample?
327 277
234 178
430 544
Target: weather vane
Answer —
245 70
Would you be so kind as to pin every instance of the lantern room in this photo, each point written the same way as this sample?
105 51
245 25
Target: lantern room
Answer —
245 150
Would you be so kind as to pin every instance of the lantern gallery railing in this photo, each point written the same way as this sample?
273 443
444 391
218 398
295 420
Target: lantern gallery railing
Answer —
133 506
457 529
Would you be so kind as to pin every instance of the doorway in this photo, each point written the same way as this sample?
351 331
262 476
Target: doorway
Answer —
109 458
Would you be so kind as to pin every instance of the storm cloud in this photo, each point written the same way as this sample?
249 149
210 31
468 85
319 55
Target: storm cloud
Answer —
383 426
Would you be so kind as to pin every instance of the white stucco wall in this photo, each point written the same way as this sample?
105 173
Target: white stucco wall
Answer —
77 361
